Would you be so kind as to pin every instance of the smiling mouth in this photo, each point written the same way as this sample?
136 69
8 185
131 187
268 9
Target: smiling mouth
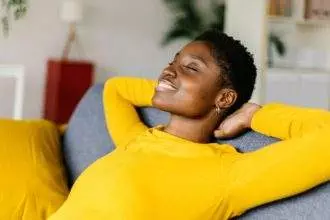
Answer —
165 85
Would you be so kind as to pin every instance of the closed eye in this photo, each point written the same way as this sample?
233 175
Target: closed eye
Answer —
191 68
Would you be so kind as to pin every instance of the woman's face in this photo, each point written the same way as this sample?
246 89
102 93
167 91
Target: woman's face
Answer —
189 85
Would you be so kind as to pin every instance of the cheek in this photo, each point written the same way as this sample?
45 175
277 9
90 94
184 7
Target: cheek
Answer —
199 96
199 100
189 100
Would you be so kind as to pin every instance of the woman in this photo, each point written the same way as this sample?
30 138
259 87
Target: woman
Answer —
175 171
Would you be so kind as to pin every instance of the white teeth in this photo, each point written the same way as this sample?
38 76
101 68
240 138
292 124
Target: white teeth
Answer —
163 85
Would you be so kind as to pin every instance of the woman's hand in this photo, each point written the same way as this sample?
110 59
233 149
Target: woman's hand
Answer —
237 122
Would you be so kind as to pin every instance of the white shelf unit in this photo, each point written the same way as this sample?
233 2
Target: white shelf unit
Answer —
302 38
297 16
281 19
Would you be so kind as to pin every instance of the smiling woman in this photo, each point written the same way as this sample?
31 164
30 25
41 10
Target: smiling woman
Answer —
193 77
174 171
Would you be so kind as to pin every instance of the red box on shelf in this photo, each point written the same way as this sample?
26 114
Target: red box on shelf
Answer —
66 83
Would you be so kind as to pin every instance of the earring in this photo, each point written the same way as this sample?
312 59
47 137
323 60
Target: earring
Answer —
217 110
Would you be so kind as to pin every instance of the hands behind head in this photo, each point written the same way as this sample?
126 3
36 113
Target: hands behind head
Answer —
237 122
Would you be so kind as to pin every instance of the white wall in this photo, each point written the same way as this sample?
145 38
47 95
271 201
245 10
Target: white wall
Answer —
246 21
121 37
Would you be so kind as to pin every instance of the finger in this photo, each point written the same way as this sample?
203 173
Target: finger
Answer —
222 134
228 126
219 134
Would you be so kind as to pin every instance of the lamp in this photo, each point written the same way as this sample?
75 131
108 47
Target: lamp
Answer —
67 78
72 13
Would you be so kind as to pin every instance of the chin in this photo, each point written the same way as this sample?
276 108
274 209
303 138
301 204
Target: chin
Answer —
161 102
167 102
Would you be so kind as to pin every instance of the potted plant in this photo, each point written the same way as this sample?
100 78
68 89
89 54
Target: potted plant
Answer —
11 9
189 22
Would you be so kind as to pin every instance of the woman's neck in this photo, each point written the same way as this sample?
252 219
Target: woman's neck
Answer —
196 130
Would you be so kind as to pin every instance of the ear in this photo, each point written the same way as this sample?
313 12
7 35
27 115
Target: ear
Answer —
225 98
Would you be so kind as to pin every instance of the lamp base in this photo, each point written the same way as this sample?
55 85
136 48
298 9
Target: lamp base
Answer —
72 36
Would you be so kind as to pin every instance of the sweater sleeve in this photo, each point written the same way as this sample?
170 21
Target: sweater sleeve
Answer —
285 168
120 95
286 122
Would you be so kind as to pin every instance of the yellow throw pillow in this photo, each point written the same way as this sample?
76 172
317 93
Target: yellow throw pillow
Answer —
32 176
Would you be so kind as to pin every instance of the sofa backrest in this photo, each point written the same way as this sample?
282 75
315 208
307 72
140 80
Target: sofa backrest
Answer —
86 139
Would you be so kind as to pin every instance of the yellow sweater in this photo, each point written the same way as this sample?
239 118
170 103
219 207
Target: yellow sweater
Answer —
154 175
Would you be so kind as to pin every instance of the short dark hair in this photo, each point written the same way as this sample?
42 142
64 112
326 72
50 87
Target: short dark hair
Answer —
236 63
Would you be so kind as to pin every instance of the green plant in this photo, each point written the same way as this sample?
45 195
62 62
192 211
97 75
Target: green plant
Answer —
274 40
189 22
9 9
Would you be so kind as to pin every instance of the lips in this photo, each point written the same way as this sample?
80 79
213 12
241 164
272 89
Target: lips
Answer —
165 85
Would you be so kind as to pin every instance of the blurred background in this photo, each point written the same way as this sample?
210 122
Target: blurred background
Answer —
51 52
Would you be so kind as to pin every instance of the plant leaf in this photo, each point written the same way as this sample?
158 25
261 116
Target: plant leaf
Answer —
188 22
5 26
278 43
219 12
193 16
175 33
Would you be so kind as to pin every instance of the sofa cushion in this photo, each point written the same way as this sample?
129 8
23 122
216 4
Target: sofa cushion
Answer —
86 138
33 183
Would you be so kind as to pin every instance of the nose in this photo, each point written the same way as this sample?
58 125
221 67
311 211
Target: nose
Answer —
170 71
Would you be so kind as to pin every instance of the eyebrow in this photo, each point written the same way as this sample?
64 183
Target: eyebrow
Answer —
199 58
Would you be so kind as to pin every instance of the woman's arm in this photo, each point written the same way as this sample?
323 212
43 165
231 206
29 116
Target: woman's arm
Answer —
285 168
120 95
286 122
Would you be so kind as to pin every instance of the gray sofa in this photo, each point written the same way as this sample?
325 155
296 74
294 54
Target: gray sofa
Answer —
87 139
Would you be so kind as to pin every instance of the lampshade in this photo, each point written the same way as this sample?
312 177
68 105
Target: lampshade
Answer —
71 11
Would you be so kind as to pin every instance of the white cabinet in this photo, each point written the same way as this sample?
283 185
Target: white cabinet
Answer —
298 87
314 90
299 12
283 88
304 35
